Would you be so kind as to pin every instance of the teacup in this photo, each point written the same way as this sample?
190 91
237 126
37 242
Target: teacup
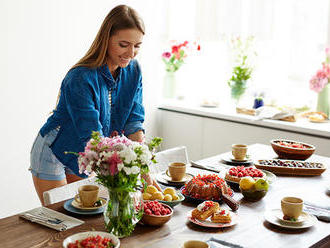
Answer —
195 244
176 171
239 151
292 207
87 195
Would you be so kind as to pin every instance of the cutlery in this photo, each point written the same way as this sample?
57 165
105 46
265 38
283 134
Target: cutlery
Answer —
54 221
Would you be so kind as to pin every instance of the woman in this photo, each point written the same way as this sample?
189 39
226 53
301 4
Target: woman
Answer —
102 92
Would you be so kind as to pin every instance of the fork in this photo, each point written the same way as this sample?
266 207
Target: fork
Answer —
54 221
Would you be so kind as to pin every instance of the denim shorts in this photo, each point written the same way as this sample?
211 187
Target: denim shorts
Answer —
43 163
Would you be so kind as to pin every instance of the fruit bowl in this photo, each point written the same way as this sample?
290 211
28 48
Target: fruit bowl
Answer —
157 220
290 149
174 203
253 195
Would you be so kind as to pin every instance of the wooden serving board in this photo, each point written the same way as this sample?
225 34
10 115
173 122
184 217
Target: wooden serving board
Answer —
293 171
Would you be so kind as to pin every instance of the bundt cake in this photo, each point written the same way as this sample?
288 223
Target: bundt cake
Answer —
206 187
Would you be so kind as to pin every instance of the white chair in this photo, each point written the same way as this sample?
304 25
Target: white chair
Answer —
66 191
163 158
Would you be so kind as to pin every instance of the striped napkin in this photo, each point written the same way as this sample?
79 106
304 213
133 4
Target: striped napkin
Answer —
321 213
51 218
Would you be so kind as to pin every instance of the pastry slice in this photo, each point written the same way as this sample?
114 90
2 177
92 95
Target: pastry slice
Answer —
205 210
221 216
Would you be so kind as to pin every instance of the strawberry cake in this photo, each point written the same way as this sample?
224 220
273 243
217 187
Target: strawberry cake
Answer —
236 173
205 210
209 187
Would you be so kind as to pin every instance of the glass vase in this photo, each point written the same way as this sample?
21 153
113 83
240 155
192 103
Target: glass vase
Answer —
237 89
323 100
123 211
169 87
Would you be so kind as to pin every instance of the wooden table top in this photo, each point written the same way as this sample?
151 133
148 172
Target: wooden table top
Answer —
251 231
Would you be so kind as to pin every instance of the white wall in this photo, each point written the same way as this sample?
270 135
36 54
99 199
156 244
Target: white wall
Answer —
40 41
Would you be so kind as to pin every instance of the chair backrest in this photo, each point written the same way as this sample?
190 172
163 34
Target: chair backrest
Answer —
163 158
66 191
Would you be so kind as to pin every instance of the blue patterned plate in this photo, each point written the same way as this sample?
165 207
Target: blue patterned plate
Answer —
68 206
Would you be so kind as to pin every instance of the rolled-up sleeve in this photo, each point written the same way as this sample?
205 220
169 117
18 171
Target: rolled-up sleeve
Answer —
79 93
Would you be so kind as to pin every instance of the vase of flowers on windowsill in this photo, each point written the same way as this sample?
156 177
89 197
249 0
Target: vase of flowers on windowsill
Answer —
173 60
242 70
320 83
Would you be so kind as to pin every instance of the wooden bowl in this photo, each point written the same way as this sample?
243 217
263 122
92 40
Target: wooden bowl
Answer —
285 152
157 220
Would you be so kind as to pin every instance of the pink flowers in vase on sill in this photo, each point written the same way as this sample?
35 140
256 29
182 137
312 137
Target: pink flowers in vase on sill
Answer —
175 59
322 76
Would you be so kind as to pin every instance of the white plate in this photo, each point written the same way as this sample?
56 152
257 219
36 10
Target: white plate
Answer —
83 235
303 217
209 223
270 216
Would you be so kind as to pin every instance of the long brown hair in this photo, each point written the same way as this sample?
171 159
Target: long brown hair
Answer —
119 18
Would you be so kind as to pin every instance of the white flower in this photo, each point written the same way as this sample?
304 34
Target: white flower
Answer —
120 166
127 170
135 170
89 168
127 154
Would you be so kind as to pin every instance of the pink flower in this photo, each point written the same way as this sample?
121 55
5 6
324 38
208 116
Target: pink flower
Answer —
166 55
113 161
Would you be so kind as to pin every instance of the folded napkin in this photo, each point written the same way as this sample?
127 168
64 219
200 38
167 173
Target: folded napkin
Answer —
267 112
51 218
217 243
321 213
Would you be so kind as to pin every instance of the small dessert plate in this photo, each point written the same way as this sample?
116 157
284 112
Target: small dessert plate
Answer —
209 223
271 217
303 217
78 205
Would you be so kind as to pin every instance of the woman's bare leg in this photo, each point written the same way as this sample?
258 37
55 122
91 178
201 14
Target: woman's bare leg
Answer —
43 185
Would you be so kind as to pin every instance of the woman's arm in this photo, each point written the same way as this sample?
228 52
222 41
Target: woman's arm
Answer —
137 136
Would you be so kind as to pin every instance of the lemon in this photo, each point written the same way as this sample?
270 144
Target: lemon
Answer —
146 196
157 196
151 189
246 183
175 197
168 197
170 191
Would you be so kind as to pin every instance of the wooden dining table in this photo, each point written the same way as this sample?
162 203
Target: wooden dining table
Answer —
252 230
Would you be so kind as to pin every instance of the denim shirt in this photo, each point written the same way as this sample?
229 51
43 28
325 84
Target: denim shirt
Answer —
84 107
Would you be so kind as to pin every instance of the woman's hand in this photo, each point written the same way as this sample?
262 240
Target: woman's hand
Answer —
137 136
151 181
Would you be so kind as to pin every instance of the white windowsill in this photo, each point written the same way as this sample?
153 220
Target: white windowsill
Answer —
229 114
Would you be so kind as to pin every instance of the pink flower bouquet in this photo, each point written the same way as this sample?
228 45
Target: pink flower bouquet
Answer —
118 163
322 76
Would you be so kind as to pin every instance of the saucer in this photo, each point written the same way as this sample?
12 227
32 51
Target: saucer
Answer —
303 217
68 207
163 178
271 217
239 160
78 205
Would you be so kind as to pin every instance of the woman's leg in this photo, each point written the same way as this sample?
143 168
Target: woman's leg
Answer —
42 185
